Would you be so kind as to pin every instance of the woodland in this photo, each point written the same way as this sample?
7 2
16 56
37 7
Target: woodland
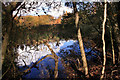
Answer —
88 40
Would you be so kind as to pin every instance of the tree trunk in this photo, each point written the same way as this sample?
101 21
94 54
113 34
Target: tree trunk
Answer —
103 39
80 41
7 11
117 32
56 60
4 46
82 52
6 36
56 68
111 33
113 51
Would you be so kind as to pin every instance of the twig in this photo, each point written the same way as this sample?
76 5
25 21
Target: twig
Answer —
5 72
113 72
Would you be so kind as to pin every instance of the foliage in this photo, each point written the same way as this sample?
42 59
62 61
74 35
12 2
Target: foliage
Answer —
31 30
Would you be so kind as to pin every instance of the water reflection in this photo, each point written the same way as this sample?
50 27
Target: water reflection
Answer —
45 69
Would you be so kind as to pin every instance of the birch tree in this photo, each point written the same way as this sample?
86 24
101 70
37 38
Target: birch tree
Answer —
80 39
103 39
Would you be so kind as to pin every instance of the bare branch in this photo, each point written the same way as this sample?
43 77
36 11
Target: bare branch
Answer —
53 53
38 62
18 10
14 5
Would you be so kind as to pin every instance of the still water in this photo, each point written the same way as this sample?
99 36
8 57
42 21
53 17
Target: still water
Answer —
31 54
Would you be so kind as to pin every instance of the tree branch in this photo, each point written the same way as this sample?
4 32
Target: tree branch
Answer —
38 62
3 7
54 56
14 5
93 25
18 10
53 53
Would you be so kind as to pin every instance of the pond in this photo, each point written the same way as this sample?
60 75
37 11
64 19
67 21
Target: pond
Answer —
45 69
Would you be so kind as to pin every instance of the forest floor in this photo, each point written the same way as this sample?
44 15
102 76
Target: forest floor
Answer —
112 72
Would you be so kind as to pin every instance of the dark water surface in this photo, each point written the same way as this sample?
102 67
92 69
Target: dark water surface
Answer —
45 69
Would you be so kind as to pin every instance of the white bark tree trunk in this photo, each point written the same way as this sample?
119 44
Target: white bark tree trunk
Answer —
81 44
103 34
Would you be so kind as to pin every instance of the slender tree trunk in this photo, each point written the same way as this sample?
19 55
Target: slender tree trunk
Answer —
80 41
117 41
117 31
82 52
103 39
56 61
113 52
111 32
56 68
